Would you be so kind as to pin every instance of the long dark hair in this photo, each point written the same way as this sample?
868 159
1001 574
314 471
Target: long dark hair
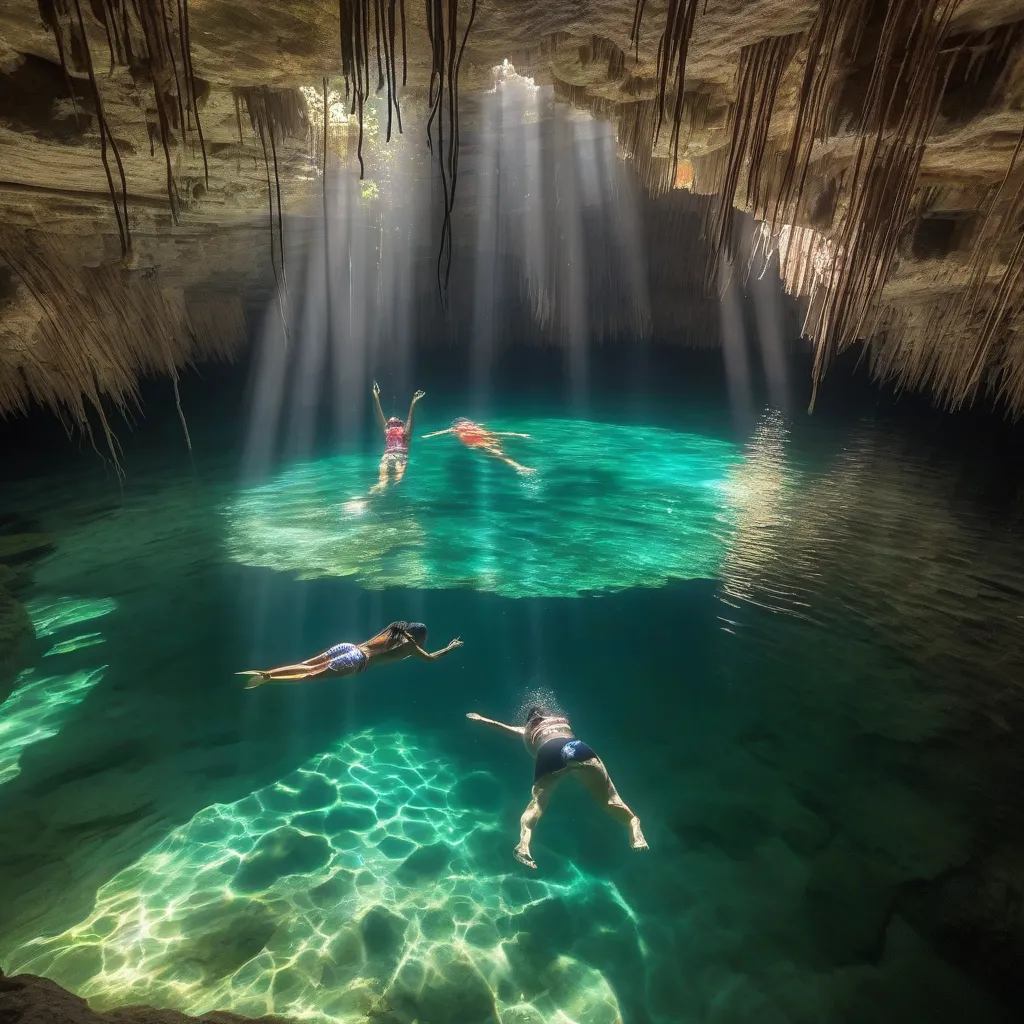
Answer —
399 632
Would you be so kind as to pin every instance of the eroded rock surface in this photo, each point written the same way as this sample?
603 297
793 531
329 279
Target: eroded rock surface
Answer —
26 999
916 226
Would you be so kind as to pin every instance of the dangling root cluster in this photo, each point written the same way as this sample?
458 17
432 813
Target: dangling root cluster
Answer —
146 37
446 52
762 66
275 115
673 50
126 325
388 26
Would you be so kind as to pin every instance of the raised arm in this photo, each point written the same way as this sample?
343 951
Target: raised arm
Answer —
412 409
438 433
512 730
380 412
424 656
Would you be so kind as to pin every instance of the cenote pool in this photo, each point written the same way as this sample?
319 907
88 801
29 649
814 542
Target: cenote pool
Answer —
798 651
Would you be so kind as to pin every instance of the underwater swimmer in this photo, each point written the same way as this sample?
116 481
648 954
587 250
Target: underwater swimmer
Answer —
396 642
475 435
397 436
557 753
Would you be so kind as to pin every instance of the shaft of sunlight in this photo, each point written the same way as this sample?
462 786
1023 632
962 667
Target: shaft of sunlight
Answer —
734 347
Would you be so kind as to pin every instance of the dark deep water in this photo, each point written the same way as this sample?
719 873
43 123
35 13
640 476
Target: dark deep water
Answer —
796 642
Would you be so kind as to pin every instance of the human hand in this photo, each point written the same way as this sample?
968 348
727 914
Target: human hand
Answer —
376 389
419 395
474 716
455 643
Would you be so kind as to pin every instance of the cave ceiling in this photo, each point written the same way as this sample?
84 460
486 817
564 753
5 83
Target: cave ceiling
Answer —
878 142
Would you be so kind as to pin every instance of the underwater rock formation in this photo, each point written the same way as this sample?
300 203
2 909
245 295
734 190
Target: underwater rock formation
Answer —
26 999
16 636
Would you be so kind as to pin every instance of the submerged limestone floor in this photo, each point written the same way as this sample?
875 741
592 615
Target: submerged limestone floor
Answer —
371 879
812 766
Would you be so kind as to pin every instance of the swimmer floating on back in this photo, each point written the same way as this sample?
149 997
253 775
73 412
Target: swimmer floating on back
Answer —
397 436
475 435
557 752
396 642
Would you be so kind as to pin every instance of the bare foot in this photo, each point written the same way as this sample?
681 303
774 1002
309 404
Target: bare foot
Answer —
523 856
638 843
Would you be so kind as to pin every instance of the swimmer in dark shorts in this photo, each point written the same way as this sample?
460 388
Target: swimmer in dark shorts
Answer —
558 754
397 435
396 642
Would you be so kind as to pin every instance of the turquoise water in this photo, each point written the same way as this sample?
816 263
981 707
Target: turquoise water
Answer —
798 653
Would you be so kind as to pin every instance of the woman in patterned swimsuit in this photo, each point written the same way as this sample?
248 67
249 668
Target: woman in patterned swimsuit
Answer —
397 436
396 642
557 754
476 435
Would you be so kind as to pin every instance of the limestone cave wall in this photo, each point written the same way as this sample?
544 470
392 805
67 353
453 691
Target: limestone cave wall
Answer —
147 150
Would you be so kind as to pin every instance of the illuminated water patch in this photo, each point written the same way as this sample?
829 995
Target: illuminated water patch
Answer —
609 507
50 614
40 704
370 881
36 710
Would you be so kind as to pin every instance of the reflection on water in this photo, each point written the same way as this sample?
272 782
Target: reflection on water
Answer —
881 543
610 507
803 670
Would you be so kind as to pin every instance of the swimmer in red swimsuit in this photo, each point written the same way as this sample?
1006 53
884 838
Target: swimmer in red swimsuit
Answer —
475 435
396 442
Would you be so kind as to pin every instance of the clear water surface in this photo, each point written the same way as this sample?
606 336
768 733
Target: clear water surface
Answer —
798 654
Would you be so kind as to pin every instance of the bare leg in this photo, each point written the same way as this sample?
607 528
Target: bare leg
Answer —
528 822
499 454
400 470
595 777
382 477
515 465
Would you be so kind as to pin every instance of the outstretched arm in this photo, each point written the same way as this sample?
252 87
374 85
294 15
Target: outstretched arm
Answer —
424 656
412 409
380 412
507 433
513 730
438 433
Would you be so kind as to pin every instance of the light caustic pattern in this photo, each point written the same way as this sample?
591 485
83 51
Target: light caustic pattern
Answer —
369 884
610 507
41 702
